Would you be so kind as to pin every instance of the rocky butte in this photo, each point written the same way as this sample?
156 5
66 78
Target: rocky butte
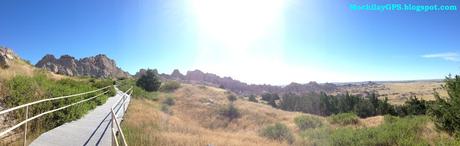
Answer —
99 66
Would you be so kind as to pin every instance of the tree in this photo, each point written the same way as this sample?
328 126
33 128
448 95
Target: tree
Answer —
445 111
271 98
149 81
416 106
384 107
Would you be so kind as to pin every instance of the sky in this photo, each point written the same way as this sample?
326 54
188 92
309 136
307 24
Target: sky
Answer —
254 41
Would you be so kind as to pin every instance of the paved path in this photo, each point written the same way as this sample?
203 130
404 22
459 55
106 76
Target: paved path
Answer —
92 129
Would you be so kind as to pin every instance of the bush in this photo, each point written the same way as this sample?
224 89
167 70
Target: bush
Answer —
230 112
445 111
170 86
344 119
231 98
279 132
305 122
169 101
149 81
166 109
252 98
137 91
271 98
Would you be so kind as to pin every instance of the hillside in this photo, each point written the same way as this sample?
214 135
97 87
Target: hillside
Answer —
13 65
194 119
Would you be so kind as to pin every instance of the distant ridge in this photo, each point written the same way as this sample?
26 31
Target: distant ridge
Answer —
99 66
199 77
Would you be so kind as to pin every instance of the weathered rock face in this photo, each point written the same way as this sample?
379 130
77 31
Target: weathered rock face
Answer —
176 75
99 66
6 57
199 77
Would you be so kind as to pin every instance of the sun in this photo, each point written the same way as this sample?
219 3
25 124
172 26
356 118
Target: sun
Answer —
236 35
237 23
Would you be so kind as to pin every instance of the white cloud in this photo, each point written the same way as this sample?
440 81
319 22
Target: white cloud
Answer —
450 56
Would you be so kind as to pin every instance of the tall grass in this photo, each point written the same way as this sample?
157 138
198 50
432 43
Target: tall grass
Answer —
394 131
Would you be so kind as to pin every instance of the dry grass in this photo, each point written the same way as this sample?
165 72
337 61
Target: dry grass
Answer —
20 67
399 92
195 120
372 121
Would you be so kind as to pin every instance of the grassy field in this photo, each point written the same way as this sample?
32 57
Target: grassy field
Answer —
399 92
194 120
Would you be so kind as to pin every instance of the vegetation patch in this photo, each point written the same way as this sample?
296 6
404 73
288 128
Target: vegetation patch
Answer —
305 122
25 89
170 86
138 92
344 119
230 112
445 111
404 131
252 98
279 132
149 81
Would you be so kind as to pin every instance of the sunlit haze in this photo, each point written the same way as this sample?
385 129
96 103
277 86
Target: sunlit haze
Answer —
254 41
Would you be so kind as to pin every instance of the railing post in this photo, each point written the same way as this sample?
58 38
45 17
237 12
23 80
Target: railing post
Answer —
25 125
113 137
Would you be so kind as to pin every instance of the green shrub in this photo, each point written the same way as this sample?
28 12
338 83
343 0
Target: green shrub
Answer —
166 109
169 101
230 112
170 86
306 122
279 132
149 81
231 98
344 119
252 98
271 99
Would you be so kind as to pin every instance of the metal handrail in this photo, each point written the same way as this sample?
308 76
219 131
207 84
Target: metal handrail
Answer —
49 99
47 112
115 122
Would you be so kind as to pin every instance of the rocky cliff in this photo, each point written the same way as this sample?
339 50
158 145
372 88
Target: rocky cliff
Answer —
99 66
6 57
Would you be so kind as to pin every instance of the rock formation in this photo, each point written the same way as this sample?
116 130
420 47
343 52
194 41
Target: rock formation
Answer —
199 77
99 66
6 57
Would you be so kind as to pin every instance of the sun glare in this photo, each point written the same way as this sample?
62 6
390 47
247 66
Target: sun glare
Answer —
232 34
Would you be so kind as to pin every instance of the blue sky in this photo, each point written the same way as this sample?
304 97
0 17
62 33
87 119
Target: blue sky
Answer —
255 41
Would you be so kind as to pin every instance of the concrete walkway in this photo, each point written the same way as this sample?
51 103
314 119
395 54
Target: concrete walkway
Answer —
92 129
